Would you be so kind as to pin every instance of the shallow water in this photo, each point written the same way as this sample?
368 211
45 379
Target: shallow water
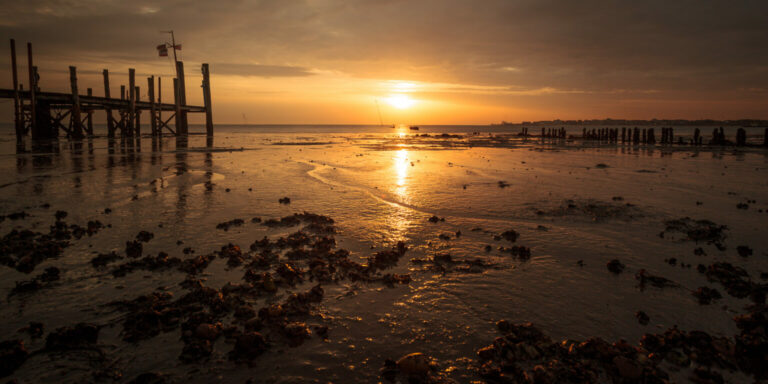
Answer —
381 187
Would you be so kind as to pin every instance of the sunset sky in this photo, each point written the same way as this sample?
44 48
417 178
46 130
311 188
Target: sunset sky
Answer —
423 62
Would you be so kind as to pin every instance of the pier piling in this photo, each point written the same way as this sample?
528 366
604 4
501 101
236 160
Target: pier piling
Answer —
137 130
741 137
207 100
89 118
32 90
110 119
18 123
131 101
152 112
76 124
182 99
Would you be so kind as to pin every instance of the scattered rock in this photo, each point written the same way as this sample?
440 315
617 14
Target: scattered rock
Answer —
697 230
145 236
248 346
657 281
510 235
149 378
34 329
133 249
232 223
642 317
12 355
744 251
616 266
105 258
705 295
435 219
81 335
415 364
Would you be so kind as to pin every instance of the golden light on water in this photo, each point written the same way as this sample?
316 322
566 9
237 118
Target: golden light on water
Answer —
401 167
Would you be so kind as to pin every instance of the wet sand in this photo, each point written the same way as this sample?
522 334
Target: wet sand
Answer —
446 236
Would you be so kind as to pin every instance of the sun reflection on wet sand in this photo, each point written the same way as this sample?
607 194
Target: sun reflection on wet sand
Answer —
401 169
401 219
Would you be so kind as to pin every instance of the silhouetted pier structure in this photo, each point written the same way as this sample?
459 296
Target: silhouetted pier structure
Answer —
647 136
42 114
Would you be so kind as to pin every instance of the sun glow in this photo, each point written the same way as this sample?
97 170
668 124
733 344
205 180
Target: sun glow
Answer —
400 101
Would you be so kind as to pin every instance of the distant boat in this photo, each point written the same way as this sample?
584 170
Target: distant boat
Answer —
414 128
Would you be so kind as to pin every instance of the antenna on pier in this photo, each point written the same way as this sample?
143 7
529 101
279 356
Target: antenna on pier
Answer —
172 44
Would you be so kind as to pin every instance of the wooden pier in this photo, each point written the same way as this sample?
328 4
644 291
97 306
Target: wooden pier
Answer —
647 136
42 114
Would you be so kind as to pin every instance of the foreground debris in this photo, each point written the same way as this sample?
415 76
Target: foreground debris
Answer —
524 354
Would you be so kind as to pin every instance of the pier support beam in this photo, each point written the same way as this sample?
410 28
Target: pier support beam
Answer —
741 137
765 138
89 119
110 119
131 100
77 122
182 92
159 101
207 100
177 102
32 92
137 98
152 112
17 116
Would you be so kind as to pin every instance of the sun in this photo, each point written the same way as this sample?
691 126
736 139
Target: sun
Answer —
400 101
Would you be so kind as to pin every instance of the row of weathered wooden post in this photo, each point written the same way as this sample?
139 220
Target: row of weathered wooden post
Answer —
36 115
648 136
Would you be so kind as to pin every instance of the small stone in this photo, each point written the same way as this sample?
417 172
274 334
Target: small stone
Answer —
12 355
744 251
627 368
642 317
615 266
207 331
414 364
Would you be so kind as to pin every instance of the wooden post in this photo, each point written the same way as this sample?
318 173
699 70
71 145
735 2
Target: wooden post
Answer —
122 92
182 96
32 89
110 120
177 103
131 100
741 137
77 122
765 138
18 122
207 100
152 114
159 101
89 119
137 94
